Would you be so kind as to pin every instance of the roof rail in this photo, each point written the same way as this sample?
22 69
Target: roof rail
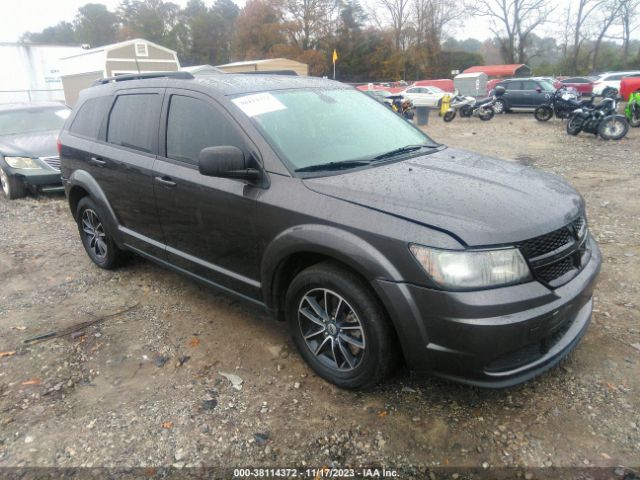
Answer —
141 76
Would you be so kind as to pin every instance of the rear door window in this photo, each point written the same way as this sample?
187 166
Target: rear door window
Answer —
193 125
513 85
89 118
133 122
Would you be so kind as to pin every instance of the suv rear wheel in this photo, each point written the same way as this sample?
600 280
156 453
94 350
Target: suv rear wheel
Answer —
96 241
339 326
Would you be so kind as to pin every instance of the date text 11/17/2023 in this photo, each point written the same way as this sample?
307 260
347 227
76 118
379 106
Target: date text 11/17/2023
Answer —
314 473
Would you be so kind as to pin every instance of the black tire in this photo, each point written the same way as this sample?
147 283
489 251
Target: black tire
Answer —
12 187
634 121
356 368
543 113
100 246
500 106
574 127
449 116
621 125
488 114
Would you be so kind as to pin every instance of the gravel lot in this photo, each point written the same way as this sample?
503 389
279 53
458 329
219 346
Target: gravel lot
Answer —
148 388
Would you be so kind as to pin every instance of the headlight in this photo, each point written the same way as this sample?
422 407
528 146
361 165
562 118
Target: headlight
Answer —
24 163
465 270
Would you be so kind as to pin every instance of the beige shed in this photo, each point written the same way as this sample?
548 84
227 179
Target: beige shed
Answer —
133 56
267 65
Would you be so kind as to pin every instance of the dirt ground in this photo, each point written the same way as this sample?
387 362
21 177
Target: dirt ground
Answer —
147 388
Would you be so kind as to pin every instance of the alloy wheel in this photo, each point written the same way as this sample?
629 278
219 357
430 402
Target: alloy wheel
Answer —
331 329
94 233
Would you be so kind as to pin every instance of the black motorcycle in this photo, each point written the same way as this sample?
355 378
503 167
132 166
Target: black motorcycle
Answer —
561 104
602 119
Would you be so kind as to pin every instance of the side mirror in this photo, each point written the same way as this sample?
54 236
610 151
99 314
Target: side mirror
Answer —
538 89
226 162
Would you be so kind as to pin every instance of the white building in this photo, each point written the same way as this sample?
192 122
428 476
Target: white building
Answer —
81 69
31 72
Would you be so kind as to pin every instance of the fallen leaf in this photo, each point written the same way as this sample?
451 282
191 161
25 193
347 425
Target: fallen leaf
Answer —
19 327
194 342
167 425
383 413
7 354
33 381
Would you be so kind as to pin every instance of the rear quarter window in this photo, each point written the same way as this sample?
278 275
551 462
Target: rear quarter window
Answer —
90 116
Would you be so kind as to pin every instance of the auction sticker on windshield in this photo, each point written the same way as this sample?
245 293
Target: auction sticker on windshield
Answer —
258 104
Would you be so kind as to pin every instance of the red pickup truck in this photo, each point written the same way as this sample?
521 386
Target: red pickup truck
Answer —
629 85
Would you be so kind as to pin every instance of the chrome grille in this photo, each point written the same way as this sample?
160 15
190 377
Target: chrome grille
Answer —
554 255
53 162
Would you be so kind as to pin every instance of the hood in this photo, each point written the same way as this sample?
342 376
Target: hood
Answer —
37 144
478 200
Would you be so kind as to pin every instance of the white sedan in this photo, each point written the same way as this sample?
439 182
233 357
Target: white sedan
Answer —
424 96
610 80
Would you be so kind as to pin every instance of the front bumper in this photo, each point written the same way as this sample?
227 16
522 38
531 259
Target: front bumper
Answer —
44 180
493 338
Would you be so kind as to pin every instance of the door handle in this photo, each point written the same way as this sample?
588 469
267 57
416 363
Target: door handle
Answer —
166 181
98 162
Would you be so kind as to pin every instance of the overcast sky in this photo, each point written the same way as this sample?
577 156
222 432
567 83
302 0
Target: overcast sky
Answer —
19 16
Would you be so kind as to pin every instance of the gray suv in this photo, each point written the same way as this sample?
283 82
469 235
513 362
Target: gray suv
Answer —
523 94
312 200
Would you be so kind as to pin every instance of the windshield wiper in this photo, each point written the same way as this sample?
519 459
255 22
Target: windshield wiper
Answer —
401 150
333 166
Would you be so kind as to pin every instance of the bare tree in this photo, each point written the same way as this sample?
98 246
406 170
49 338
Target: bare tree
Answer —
398 12
430 17
512 22
309 20
584 11
629 12
609 11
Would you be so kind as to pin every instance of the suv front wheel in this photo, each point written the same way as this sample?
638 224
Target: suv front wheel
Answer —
96 241
339 327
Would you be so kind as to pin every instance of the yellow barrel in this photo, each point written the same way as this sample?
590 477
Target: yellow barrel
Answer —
444 107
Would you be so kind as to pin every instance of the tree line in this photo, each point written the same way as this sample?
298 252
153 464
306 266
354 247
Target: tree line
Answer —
385 41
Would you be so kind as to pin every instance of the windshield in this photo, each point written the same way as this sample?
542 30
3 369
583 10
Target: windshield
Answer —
317 126
546 86
14 122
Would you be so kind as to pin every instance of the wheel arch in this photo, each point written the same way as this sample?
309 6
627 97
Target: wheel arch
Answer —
300 247
82 184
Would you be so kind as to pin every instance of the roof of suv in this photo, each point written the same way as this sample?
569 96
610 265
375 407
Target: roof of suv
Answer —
235 83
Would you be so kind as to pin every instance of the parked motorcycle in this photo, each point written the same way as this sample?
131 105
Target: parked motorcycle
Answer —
601 119
632 112
561 104
469 106
402 106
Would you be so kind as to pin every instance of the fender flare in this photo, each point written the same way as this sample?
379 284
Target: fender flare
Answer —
326 240
84 180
